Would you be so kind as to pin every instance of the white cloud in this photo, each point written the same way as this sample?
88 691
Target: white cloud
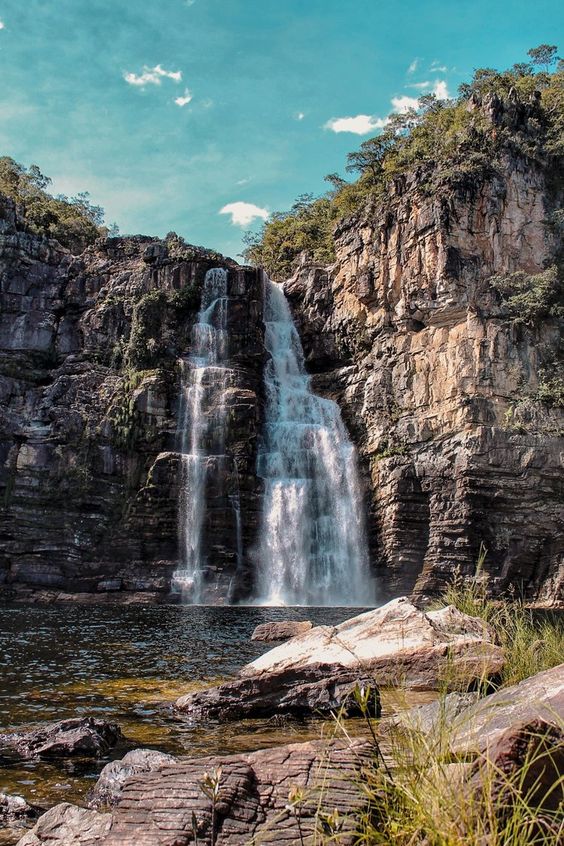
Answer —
440 90
437 67
243 181
2 25
413 66
299 115
420 85
152 76
359 125
184 99
242 214
403 104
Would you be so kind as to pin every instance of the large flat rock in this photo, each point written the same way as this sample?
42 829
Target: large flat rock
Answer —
80 736
169 807
399 642
480 726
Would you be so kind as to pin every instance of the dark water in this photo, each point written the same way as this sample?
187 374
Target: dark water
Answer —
128 663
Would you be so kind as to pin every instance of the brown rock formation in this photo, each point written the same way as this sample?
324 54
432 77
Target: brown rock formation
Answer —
438 387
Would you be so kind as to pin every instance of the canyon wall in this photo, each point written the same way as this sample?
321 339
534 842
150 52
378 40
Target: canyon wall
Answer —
89 395
440 388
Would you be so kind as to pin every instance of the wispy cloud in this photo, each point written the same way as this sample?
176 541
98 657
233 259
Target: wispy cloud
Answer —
2 25
242 214
184 99
299 116
151 76
420 85
359 124
437 67
243 181
439 88
413 66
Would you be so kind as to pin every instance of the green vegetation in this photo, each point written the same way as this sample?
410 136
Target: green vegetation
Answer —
446 143
529 298
530 645
74 222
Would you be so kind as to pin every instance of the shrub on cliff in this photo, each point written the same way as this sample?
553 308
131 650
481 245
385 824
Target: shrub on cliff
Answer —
74 222
452 144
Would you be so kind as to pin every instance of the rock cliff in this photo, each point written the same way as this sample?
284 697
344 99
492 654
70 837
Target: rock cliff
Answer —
449 397
89 388
445 393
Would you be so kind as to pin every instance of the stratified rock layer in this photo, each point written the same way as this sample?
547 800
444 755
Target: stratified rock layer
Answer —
436 384
89 392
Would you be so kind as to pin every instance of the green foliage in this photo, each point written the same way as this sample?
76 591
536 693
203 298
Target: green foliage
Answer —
551 388
530 298
74 222
145 345
446 143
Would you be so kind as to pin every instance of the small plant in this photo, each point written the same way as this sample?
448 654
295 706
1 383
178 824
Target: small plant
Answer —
211 784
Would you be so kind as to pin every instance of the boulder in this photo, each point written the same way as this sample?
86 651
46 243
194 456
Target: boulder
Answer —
313 690
14 810
283 630
480 726
399 644
107 790
67 825
80 736
275 796
527 759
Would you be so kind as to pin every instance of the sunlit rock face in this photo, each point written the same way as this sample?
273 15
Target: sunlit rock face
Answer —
437 386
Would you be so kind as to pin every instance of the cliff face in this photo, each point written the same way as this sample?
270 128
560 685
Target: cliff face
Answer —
89 393
439 387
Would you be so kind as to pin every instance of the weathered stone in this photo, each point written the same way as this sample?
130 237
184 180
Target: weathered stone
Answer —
282 630
257 801
395 644
309 691
107 790
431 717
15 810
525 761
67 825
82 736
480 726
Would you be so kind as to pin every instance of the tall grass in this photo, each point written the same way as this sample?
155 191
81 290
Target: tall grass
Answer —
531 643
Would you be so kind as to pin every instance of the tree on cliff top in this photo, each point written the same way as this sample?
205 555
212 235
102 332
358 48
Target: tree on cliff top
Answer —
75 222
450 144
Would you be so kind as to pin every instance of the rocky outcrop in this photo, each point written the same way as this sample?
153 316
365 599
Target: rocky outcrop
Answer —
280 796
77 736
319 671
89 393
108 788
283 630
438 386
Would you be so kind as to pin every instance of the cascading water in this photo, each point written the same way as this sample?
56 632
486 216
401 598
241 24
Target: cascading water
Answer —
313 547
205 377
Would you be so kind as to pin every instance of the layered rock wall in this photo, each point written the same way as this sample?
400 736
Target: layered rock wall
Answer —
438 386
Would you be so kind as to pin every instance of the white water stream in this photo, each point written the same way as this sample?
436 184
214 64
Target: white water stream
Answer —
313 548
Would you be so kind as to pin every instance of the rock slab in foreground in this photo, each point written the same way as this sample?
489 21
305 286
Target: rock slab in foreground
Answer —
405 644
539 697
283 630
314 690
107 789
81 736
168 807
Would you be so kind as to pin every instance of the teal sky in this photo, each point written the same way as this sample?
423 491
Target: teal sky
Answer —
169 111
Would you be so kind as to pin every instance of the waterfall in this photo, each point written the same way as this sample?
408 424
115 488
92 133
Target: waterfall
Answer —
205 376
313 547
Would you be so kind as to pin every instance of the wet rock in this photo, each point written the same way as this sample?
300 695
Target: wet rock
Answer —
283 630
480 726
108 788
80 736
67 825
398 644
14 810
274 796
306 692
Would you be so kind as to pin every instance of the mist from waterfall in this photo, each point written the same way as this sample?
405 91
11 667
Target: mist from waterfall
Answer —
204 379
313 548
